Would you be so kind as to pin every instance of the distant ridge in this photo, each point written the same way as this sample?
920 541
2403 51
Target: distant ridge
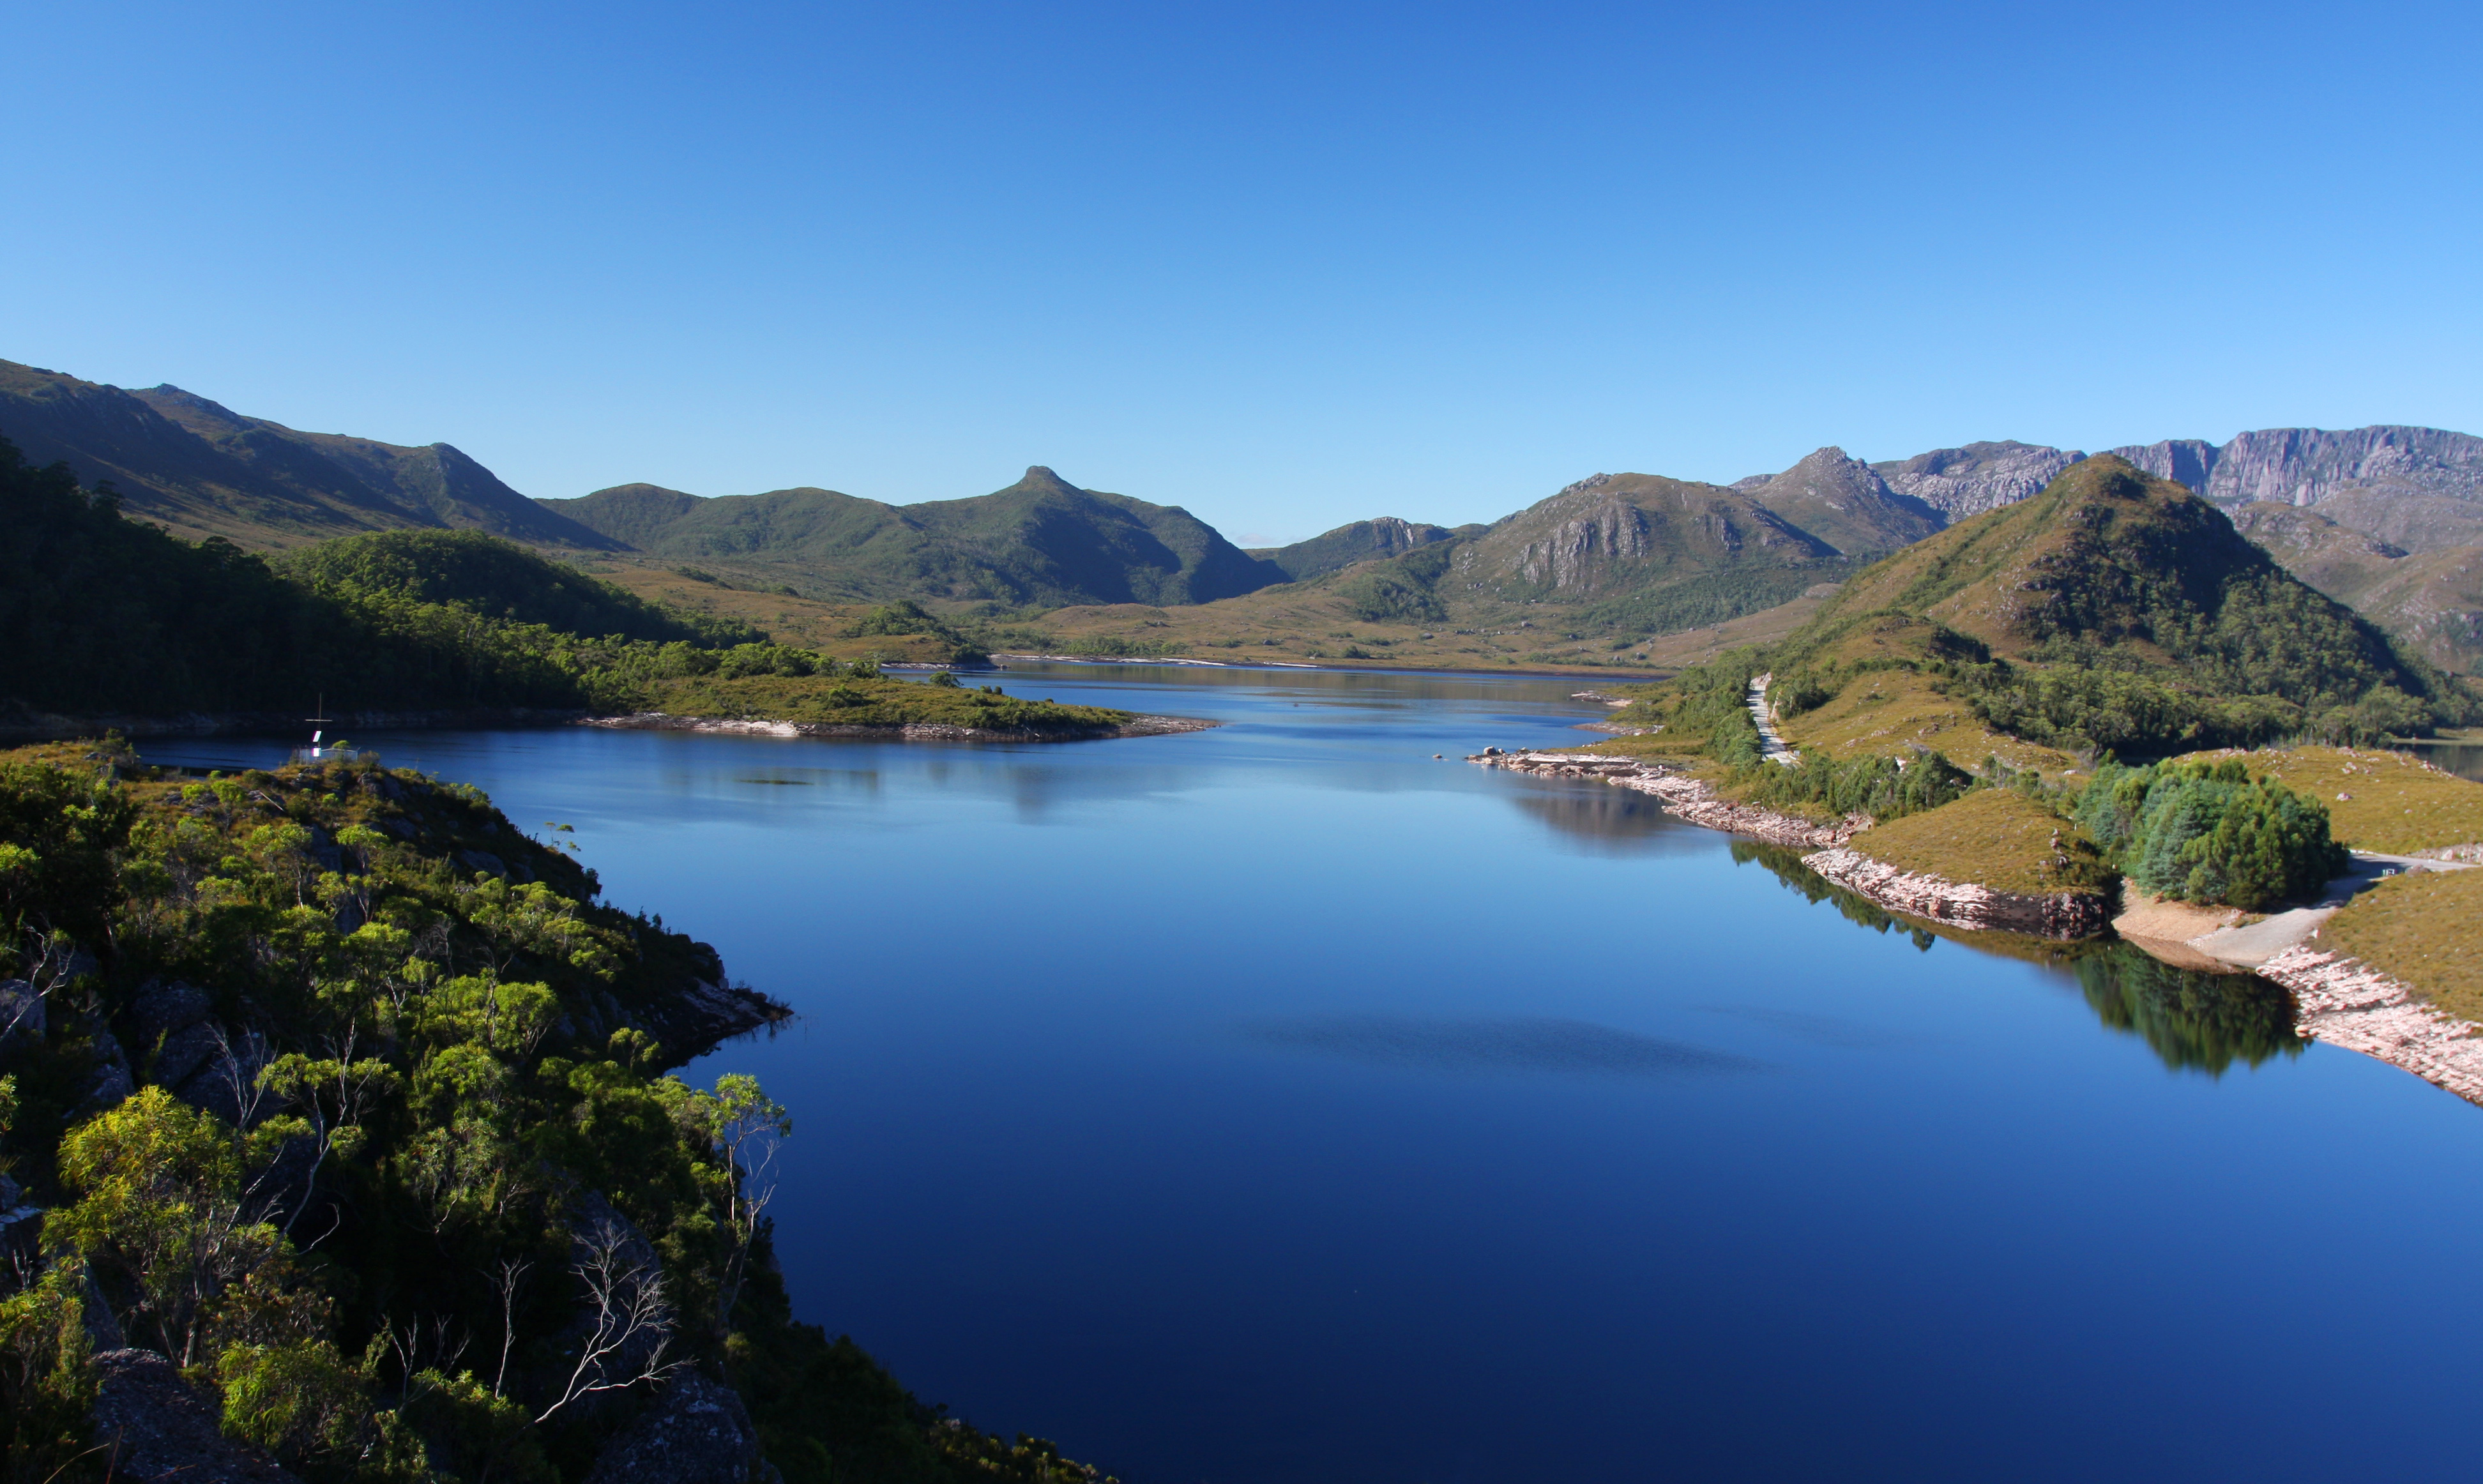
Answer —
1846 503
205 470
1361 540
1040 541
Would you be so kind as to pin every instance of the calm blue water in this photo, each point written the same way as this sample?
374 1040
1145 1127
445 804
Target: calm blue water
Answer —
1278 1103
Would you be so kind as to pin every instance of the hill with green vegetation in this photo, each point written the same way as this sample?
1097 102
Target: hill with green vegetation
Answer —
2432 600
2119 611
204 470
339 1091
1359 540
1042 542
104 617
495 579
2115 612
1845 503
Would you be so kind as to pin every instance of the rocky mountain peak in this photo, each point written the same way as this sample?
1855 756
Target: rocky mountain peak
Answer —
1978 477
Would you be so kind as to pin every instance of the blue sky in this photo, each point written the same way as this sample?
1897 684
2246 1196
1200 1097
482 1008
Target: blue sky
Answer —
1287 265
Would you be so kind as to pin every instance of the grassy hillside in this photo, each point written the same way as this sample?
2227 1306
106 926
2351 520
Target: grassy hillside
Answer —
101 616
2431 601
491 577
1359 540
1041 542
204 470
2114 610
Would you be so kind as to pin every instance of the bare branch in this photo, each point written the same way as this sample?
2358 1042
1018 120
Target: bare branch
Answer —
632 1320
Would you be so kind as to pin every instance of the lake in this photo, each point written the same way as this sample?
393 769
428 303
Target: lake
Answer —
1277 1103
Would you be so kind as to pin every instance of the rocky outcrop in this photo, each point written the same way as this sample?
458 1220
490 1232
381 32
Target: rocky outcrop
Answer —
2347 1003
1680 794
2066 915
697 1432
2416 488
1845 503
1968 481
1614 534
692 1019
153 1427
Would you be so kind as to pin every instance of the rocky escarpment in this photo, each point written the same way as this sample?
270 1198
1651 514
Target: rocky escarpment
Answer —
1680 793
1968 481
2345 1002
2066 914
2419 488
2305 466
1845 503
1613 535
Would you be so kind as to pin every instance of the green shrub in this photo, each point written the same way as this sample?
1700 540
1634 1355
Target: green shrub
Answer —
2205 833
1882 788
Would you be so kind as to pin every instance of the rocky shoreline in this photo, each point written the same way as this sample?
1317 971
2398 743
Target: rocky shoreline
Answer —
1682 795
2345 1002
908 732
2067 915
2062 915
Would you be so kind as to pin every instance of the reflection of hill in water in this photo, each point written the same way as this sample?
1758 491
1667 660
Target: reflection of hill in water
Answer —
2190 1018
1606 820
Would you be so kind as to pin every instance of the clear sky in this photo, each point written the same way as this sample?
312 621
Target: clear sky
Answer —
1287 265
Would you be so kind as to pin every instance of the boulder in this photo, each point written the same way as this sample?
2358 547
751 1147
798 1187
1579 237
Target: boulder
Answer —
21 1010
153 1427
697 1432
183 1053
110 1081
162 1009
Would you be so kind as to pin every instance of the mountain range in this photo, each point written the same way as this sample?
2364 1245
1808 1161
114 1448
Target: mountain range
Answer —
202 470
2387 519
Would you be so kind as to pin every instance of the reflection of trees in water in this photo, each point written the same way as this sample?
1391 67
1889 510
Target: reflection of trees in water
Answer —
1615 820
1787 863
2208 1020
2191 1018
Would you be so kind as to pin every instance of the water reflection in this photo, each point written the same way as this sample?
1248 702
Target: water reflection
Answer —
1787 863
2193 1019
1604 820
1563 1047
2463 758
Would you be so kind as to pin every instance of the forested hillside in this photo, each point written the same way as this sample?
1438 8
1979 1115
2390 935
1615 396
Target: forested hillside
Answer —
1042 542
205 470
338 1092
103 616
2116 610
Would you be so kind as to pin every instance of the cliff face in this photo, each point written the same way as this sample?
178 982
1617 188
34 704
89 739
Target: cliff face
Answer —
2420 488
1968 481
1845 503
1615 532
1361 540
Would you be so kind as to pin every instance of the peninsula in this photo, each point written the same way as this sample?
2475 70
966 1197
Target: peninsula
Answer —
341 1131
2113 614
